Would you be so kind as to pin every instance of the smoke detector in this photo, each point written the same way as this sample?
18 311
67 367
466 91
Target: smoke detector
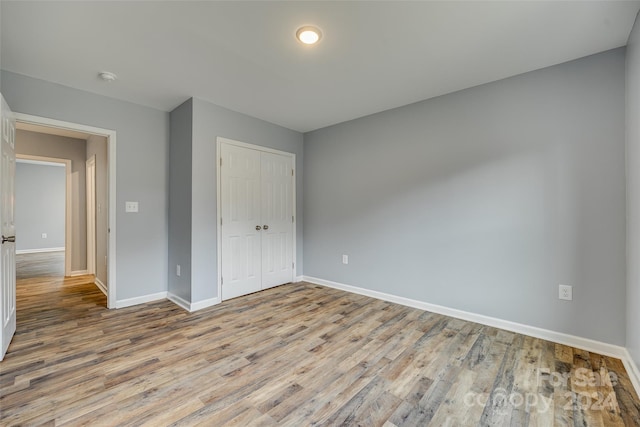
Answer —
107 76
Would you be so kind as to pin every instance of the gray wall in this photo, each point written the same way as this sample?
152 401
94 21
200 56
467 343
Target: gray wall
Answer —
141 171
483 200
40 144
97 146
195 125
40 206
180 200
633 193
209 122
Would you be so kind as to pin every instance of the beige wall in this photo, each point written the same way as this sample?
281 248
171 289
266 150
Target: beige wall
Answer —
39 144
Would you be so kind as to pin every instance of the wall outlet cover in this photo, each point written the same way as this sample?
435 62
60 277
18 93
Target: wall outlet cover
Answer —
565 292
131 206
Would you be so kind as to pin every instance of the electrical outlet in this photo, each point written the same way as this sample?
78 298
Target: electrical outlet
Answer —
565 292
345 259
44 235
178 270
131 207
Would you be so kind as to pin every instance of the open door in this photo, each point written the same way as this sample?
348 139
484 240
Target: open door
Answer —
7 226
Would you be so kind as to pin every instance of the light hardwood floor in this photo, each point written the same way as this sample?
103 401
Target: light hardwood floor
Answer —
43 264
294 355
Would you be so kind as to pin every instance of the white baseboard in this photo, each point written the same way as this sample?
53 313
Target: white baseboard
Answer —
632 370
204 304
141 299
594 346
37 251
179 301
79 273
298 279
100 286
191 307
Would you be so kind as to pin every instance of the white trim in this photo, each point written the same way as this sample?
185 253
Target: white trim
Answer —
195 306
37 162
632 370
191 307
219 141
111 159
181 302
218 215
545 334
253 147
36 251
100 285
68 204
79 273
141 300
90 199
298 279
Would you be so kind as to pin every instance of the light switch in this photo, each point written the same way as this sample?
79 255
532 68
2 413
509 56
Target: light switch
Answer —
131 206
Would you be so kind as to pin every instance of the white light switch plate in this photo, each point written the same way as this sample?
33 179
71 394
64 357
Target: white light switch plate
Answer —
131 206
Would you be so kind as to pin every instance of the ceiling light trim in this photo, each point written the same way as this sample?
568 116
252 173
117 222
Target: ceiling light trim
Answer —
309 35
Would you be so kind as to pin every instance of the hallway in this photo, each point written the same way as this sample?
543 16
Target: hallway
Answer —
43 264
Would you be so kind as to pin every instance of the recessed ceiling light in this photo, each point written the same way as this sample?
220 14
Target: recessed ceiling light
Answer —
309 35
107 76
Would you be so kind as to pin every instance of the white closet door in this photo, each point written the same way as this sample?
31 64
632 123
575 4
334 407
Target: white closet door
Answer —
240 211
277 220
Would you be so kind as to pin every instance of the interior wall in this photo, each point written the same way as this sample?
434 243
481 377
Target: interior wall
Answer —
97 145
141 172
633 192
483 200
180 200
40 206
209 122
40 144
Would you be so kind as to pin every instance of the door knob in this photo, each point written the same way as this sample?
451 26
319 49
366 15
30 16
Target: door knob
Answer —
266 227
8 239
258 228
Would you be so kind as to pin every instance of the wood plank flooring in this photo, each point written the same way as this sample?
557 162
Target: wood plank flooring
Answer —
294 355
42 264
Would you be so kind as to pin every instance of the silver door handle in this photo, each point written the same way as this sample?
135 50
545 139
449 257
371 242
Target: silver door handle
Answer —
266 227
11 239
258 228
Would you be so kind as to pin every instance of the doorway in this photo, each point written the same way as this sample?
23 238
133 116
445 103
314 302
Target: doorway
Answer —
99 220
43 205
256 218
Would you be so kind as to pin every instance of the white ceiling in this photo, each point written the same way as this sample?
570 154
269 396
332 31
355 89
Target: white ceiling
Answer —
244 56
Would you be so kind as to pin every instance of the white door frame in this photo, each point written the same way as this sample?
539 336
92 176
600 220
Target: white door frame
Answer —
219 141
110 135
68 241
90 177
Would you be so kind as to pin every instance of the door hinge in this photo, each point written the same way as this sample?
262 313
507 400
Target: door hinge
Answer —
221 280
221 222
220 161
293 265
291 172
292 219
